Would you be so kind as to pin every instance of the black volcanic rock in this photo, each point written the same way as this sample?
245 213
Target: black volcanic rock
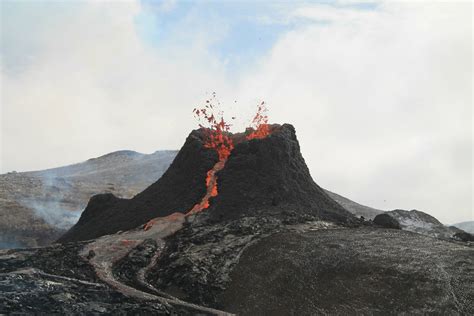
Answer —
261 266
99 203
270 173
178 190
413 216
351 272
253 265
262 175
386 221
463 236
55 280
423 223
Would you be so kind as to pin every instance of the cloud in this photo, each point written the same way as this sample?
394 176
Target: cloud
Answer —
381 101
381 96
93 86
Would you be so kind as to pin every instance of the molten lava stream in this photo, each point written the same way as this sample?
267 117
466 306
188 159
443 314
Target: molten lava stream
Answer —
220 140
211 184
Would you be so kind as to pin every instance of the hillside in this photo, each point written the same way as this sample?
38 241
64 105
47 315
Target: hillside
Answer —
423 223
466 226
37 207
353 207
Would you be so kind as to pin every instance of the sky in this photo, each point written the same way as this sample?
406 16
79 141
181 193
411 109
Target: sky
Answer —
380 93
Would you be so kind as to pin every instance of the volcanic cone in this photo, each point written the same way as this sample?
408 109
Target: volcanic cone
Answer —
261 175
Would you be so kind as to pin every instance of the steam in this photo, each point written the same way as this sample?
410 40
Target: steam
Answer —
54 213
54 204
9 243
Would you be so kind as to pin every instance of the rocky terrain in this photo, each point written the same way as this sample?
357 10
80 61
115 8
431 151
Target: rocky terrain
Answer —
271 241
248 266
351 271
37 207
422 223
58 280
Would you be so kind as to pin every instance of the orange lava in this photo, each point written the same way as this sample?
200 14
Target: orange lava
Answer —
219 138
260 123
149 224
170 218
211 184
127 242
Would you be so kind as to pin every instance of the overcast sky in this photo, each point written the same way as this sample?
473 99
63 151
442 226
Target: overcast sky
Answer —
380 93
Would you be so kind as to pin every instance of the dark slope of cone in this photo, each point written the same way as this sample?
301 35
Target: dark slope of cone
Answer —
266 175
180 187
270 174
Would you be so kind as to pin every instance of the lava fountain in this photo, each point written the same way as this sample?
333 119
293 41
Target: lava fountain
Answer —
260 123
219 139
222 141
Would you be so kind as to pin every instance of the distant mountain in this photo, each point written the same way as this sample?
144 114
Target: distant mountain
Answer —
414 220
37 207
355 208
466 226
422 223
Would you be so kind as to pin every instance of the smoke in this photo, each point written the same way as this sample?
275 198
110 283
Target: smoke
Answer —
54 212
9 242
55 202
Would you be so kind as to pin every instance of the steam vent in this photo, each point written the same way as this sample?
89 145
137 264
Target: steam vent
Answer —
259 175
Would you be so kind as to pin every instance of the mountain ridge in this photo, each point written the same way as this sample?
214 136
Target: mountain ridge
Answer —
467 226
51 200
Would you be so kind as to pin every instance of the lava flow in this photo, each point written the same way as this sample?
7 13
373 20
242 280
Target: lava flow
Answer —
220 139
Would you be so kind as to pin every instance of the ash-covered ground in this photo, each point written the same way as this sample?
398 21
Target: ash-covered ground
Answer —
248 266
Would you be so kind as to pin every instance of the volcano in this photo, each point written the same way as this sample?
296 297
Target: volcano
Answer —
236 225
260 175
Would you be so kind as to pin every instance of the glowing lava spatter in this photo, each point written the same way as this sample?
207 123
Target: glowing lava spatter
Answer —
260 123
219 138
